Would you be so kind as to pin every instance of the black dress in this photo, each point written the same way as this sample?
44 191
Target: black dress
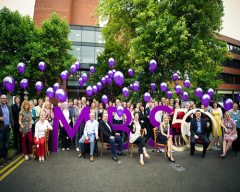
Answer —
162 138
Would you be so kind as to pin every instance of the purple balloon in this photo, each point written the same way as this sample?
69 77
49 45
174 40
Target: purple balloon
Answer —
175 76
199 92
103 80
39 86
169 94
24 84
210 92
228 104
147 97
109 81
77 64
80 81
163 87
187 83
61 95
9 83
92 70
152 65
130 72
153 86
111 62
106 77
64 75
118 78
56 86
50 92
73 69
99 86
85 77
21 68
114 71
135 86
120 111
178 89
42 66
104 99
94 88
89 91
125 92
110 74
184 96
205 100
131 87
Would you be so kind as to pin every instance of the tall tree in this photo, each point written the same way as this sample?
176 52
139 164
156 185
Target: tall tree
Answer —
21 41
179 35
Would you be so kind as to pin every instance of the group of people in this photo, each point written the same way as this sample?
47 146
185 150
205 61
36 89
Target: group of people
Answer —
30 119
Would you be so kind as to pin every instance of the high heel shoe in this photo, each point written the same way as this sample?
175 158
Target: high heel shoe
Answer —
146 156
171 159
141 162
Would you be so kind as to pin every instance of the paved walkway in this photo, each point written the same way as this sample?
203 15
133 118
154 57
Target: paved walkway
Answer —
65 172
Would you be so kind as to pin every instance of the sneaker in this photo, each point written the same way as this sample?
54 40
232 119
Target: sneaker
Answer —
26 157
67 149
63 149
114 158
77 149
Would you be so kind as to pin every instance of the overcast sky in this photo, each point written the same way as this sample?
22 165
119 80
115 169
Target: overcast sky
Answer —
231 19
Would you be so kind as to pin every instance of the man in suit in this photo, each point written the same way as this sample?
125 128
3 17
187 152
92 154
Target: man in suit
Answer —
16 107
6 121
111 137
198 131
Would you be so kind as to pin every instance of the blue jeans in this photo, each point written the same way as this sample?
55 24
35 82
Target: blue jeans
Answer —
91 138
4 141
117 139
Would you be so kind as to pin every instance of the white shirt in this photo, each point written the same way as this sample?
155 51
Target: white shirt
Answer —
66 115
91 127
41 127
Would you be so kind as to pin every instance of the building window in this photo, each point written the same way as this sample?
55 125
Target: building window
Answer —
230 78
88 36
234 48
88 55
76 51
234 63
75 35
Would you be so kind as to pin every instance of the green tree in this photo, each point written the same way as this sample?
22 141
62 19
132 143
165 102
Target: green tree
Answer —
178 34
21 41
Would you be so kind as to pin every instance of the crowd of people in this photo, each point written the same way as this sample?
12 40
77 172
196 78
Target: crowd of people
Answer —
29 120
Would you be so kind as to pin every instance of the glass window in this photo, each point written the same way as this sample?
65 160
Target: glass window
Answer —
88 36
87 55
98 50
76 51
99 37
75 35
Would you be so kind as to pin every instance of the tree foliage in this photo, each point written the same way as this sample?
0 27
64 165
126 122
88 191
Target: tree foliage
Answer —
22 41
178 34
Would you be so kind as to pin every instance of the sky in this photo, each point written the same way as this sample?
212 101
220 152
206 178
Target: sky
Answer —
231 19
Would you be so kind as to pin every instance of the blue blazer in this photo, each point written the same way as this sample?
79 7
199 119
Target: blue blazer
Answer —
193 127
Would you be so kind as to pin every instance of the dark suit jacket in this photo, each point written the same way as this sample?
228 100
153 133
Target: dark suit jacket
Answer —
105 131
193 127
10 117
15 113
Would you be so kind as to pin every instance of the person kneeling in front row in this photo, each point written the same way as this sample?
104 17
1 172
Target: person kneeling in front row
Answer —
90 133
111 137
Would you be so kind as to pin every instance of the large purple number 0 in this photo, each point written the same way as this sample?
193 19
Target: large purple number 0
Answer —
153 120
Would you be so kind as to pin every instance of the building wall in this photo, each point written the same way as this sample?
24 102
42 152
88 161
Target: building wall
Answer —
76 12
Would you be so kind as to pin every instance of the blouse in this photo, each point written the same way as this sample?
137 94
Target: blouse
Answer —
41 127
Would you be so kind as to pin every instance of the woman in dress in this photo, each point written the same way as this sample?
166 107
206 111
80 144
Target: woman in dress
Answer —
165 136
217 114
136 138
25 122
41 126
230 133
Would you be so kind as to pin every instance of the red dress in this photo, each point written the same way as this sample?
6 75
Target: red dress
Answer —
176 127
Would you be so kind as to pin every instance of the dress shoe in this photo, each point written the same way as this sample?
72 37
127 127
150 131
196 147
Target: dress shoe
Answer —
121 154
170 159
80 155
203 155
146 155
115 158
92 158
